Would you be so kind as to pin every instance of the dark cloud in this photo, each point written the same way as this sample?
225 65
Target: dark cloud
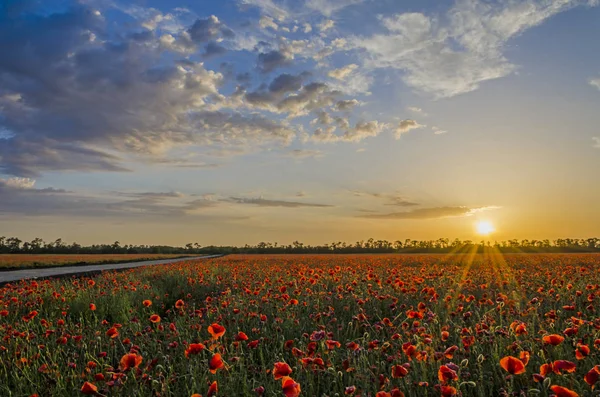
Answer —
212 49
285 83
274 203
429 213
207 29
269 61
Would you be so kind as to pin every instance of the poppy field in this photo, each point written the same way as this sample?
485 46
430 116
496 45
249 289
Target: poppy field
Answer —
22 261
310 325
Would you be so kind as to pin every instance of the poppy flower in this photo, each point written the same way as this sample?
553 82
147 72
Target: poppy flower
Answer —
592 376
92 307
349 390
446 374
212 389
194 348
241 336
524 356
399 371
112 332
582 352
290 387
512 365
130 360
560 366
332 344
448 391
155 318
553 339
563 391
147 303
281 369
216 330
179 304
215 363
89 388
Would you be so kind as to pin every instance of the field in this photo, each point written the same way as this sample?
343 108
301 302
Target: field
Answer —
24 261
362 325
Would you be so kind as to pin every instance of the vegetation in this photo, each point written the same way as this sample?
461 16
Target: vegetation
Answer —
308 325
10 261
441 245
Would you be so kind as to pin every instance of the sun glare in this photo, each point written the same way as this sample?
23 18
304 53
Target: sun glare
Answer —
484 228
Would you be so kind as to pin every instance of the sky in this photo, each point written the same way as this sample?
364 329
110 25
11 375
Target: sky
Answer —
241 121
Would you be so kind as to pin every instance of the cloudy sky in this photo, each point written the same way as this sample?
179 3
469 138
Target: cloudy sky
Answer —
240 121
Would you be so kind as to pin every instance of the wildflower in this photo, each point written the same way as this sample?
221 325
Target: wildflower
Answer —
281 369
89 388
216 330
512 365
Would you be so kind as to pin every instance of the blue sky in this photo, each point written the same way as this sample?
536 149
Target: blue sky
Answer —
242 121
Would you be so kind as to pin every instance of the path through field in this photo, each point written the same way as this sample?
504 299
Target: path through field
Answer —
62 271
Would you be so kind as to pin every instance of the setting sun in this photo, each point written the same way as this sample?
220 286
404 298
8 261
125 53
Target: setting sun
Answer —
484 227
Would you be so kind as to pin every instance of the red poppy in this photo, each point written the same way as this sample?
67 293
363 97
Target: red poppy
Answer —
399 371
563 391
130 360
194 348
155 318
179 304
446 374
212 389
112 332
560 366
290 387
582 352
524 356
553 339
281 369
512 365
147 303
592 376
215 363
241 336
89 388
216 330
448 391
92 307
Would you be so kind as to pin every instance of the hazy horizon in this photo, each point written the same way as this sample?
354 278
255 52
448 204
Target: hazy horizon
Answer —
241 121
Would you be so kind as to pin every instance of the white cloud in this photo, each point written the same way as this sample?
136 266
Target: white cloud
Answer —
415 109
405 126
453 54
342 73
267 22
438 131
329 7
326 25
595 83
597 142
268 7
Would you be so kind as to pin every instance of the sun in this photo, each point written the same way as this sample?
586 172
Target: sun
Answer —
484 228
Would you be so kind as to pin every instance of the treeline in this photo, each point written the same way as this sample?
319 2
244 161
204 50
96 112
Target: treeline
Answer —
442 245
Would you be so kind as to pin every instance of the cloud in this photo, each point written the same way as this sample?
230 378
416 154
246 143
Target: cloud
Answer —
391 199
326 25
268 7
342 73
452 54
405 126
595 83
597 142
415 109
212 49
303 153
269 61
430 213
438 131
330 7
207 29
79 99
267 22
274 203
